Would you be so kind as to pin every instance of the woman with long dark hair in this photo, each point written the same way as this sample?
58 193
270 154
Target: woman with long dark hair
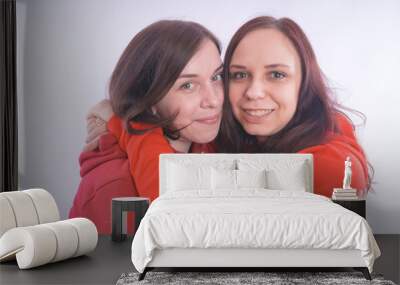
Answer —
278 102
166 93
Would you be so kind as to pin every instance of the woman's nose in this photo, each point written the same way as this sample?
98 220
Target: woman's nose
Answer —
211 97
256 90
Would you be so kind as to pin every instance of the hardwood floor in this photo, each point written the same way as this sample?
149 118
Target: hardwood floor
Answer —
111 259
388 263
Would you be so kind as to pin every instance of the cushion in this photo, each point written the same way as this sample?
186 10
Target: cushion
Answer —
251 178
66 237
27 208
292 179
281 174
223 179
7 220
23 208
45 205
181 177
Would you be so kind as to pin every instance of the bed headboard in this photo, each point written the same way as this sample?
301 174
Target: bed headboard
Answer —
280 163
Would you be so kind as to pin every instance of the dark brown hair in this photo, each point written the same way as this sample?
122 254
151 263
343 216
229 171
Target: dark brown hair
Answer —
315 116
148 68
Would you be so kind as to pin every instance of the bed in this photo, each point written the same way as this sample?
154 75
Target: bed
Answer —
245 211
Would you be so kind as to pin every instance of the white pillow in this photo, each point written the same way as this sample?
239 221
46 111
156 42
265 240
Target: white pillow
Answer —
223 179
251 178
281 174
228 179
291 178
182 177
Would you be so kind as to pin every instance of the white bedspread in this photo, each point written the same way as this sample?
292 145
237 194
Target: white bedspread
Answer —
250 218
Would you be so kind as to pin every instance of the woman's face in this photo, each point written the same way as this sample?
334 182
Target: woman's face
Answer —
197 95
264 85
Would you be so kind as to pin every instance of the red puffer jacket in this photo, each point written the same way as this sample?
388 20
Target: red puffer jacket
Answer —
105 175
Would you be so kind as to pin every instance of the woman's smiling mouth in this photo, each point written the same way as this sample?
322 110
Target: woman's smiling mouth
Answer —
209 120
258 112
256 116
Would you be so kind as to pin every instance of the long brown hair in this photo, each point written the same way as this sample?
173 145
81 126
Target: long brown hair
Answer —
148 68
315 113
315 116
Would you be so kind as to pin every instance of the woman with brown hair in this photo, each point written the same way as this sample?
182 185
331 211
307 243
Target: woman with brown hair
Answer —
166 93
277 102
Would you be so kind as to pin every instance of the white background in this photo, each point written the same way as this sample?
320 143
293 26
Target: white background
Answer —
68 49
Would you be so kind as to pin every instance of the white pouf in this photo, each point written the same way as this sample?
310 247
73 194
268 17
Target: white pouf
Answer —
30 230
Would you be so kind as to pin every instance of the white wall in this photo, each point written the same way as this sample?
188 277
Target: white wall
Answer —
67 51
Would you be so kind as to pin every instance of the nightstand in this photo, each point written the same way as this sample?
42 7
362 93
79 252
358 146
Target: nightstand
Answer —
357 206
120 206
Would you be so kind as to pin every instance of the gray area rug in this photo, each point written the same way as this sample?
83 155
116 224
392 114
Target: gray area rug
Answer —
273 278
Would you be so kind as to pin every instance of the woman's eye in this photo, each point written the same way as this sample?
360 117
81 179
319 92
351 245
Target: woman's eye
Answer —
187 86
277 75
217 77
238 75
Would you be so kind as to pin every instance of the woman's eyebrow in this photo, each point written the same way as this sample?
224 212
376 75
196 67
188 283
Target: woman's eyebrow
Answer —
274 65
219 68
191 75
188 75
238 66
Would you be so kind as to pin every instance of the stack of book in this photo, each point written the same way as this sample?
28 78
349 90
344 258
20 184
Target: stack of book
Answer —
344 194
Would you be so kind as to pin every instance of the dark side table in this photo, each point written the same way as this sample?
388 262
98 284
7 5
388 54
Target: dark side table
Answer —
120 206
357 206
